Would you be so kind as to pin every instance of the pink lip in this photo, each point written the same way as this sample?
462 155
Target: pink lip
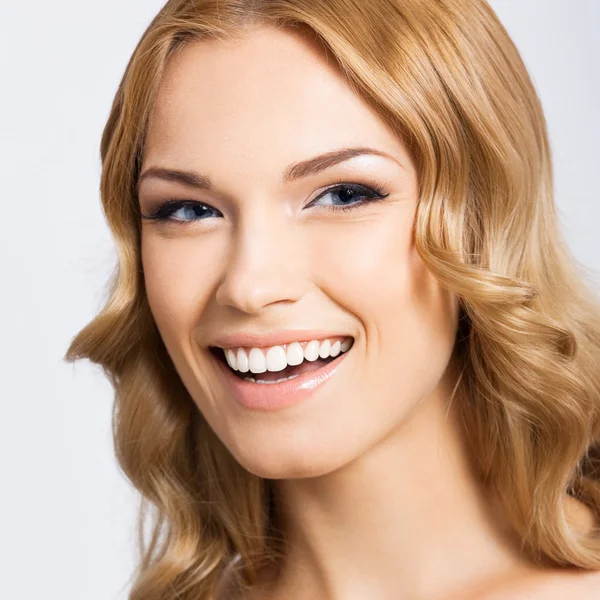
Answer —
265 396
251 340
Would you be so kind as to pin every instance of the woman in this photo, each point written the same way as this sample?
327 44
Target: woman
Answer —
352 355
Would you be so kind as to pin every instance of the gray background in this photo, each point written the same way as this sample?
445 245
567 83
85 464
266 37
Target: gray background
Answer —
66 512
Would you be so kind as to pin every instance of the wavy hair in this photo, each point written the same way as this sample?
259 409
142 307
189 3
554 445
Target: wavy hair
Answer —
447 78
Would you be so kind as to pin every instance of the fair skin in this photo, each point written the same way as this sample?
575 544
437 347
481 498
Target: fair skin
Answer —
375 483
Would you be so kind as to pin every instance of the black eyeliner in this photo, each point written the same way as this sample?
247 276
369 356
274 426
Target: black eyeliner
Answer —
370 192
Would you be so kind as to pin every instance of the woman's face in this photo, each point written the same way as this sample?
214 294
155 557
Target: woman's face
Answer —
263 253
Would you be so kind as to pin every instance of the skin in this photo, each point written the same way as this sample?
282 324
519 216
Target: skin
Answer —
376 486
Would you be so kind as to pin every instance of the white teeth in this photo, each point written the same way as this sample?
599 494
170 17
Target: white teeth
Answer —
243 365
269 382
324 349
277 358
295 354
257 361
334 351
311 350
231 359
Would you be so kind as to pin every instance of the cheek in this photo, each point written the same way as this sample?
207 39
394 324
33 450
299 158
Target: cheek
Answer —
409 322
176 279
426 331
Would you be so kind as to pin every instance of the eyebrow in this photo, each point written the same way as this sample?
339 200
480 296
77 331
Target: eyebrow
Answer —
295 171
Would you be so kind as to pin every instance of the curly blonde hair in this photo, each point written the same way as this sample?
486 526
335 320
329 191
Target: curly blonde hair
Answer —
446 77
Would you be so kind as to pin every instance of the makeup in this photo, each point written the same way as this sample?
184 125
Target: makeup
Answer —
275 396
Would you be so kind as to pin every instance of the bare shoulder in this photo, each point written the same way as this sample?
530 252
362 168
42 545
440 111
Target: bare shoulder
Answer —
552 585
584 585
557 584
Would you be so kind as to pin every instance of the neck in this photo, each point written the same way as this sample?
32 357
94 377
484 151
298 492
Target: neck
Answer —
406 519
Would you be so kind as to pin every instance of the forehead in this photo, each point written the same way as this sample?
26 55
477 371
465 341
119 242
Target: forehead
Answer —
259 104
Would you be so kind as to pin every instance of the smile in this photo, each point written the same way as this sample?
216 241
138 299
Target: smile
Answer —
284 383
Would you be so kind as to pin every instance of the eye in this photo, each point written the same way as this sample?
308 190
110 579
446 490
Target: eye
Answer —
352 195
180 211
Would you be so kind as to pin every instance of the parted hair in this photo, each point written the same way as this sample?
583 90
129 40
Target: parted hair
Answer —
446 77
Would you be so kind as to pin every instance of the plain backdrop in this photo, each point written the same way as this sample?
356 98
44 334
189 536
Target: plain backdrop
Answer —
67 513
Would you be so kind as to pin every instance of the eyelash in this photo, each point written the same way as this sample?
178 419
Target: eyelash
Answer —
370 192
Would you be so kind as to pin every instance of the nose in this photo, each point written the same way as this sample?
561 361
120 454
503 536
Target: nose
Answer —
265 264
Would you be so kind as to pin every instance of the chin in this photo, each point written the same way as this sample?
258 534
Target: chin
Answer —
308 452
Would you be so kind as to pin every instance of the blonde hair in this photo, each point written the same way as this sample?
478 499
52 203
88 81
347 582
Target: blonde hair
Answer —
447 78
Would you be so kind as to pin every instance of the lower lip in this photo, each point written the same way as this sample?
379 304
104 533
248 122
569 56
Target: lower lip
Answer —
273 396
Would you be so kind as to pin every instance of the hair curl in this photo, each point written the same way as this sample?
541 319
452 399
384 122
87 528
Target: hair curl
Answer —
446 78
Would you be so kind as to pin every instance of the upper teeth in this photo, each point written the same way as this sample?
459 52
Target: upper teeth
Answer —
277 358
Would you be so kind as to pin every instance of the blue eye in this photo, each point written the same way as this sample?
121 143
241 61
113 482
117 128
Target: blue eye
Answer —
352 196
180 211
